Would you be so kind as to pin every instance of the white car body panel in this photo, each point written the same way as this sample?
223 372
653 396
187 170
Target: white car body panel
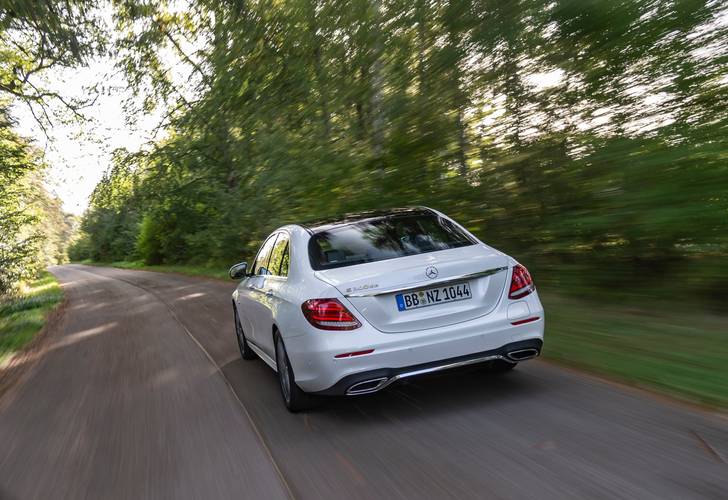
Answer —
398 338
410 271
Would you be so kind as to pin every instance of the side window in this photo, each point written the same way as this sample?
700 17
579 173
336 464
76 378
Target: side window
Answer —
278 254
260 267
286 260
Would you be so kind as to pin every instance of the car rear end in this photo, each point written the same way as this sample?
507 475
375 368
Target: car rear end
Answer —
410 293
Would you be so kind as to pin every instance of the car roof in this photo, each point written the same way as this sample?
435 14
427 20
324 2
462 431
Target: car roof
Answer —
316 226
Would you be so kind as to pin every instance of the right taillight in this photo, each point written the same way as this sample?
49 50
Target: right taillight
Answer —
329 314
521 283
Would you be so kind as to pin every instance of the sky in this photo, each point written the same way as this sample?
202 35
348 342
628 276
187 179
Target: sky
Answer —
78 154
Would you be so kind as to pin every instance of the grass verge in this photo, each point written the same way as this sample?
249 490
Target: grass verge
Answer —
678 352
23 316
186 269
675 350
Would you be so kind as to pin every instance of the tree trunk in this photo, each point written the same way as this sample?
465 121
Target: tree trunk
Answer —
319 71
376 99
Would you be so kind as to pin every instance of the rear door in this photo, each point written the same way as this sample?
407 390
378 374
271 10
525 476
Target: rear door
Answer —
251 292
272 293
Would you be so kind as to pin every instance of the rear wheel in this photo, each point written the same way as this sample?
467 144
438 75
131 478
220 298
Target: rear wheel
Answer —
245 351
294 398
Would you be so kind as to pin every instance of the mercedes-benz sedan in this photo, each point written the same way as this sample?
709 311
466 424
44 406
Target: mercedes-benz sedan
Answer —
352 305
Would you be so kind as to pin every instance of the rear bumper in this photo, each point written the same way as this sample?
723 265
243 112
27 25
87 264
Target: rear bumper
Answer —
375 380
317 369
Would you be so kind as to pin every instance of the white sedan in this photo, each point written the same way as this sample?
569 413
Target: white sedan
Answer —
351 305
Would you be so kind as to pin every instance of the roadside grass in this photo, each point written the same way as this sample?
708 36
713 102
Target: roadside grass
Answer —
23 316
667 347
672 350
186 269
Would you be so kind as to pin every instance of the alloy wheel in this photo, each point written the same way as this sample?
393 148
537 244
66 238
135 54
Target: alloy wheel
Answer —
283 375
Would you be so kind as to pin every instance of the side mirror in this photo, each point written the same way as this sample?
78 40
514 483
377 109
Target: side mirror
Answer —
238 271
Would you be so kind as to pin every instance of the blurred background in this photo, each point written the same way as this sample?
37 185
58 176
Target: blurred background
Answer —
588 138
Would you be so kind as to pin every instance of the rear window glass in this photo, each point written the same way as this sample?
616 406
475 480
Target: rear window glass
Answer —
382 239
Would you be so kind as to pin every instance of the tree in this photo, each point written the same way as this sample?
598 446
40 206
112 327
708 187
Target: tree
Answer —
584 135
42 34
33 227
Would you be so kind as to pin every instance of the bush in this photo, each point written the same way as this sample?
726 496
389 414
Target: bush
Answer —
149 244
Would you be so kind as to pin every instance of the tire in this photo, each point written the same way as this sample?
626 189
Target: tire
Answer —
500 366
245 351
293 397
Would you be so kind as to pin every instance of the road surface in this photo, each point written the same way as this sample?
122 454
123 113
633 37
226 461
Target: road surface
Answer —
141 393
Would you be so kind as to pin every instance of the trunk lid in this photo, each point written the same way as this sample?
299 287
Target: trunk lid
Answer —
372 287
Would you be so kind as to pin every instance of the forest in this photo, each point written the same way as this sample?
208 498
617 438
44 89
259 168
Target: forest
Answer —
34 229
587 138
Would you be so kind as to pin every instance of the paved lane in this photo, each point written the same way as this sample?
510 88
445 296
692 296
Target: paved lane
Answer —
125 405
539 432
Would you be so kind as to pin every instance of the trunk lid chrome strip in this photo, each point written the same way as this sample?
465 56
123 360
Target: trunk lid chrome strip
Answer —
426 284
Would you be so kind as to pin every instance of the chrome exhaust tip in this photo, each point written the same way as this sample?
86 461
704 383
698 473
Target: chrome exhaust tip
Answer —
367 386
523 354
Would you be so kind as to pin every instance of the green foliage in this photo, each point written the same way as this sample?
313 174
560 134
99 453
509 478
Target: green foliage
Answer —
33 229
109 231
19 243
80 247
34 37
37 35
587 138
22 316
148 243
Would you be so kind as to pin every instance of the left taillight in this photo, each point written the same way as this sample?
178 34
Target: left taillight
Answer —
329 314
521 283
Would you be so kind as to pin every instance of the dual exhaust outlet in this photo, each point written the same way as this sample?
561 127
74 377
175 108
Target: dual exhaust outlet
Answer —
522 354
379 383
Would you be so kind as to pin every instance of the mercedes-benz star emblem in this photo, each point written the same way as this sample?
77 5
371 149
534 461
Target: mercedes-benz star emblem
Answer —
431 272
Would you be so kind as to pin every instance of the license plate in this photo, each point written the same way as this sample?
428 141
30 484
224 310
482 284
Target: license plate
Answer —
433 296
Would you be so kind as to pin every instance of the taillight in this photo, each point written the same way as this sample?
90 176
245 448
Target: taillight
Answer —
521 283
329 314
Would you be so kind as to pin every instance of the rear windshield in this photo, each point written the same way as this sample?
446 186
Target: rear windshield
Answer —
382 239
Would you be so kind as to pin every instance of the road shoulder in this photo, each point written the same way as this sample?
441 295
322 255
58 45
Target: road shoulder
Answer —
17 368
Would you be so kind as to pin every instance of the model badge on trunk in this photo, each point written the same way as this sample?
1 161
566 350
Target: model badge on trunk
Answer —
362 287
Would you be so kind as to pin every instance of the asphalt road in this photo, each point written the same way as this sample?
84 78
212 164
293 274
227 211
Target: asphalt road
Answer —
141 393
